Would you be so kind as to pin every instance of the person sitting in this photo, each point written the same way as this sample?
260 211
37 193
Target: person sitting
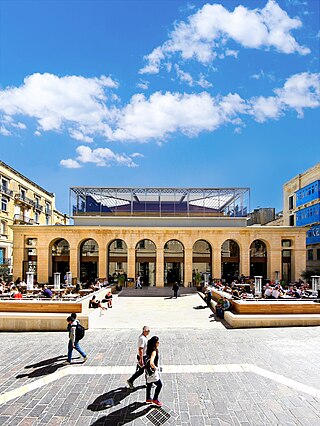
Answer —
94 303
47 292
268 292
16 294
208 296
108 298
224 306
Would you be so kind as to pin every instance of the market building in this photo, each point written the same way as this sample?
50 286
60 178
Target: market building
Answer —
163 234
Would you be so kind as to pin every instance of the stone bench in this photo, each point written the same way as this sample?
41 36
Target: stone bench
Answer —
275 320
31 321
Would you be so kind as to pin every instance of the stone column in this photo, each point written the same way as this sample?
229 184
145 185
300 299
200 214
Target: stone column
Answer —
299 263
275 263
187 266
42 263
245 261
74 263
160 268
102 261
131 262
216 263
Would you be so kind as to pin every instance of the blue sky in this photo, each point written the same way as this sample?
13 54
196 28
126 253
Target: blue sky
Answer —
160 93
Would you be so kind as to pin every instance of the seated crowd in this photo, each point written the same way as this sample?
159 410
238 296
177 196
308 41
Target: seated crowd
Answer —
19 290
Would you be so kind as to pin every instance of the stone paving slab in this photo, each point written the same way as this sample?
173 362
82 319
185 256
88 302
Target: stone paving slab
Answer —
211 391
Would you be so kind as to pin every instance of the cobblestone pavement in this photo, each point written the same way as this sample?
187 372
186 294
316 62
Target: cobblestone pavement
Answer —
212 375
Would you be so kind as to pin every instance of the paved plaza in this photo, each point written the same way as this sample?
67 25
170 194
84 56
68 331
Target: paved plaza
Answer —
212 375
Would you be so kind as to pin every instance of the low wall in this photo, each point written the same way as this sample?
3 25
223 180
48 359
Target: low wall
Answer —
45 315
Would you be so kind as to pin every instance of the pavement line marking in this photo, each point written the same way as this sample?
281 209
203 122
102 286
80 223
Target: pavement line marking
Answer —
166 369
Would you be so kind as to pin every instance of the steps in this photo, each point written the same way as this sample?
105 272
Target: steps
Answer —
154 291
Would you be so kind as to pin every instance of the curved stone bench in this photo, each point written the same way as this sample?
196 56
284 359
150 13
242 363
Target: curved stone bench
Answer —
280 320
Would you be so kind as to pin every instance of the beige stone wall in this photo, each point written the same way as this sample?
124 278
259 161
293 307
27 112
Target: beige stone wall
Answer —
75 235
38 205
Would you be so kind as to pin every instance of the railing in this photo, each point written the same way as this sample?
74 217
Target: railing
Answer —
20 219
6 190
38 207
24 200
6 262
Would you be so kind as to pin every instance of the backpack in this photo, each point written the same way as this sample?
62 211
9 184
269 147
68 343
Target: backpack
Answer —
79 332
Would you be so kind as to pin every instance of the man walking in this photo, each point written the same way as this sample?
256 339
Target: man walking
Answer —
73 339
138 282
141 357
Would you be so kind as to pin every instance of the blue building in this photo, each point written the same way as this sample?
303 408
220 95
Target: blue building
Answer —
302 208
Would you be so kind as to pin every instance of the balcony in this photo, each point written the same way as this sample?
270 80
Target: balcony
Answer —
19 219
20 199
48 211
6 190
38 207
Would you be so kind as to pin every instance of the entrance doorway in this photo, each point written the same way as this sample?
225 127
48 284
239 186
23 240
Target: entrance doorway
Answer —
146 262
89 258
258 259
173 263
230 260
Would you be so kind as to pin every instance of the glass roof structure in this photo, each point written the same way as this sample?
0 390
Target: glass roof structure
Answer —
101 201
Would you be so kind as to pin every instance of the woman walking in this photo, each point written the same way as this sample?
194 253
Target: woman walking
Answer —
152 371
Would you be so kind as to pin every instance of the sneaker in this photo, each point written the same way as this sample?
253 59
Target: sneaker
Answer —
157 402
66 362
130 385
85 358
149 401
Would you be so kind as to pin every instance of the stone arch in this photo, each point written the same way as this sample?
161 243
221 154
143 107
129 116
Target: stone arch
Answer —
117 261
230 260
59 258
201 261
173 262
89 260
146 255
258 258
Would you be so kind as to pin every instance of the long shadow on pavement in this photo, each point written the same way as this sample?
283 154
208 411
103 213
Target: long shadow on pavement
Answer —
111 398
47 366
123 415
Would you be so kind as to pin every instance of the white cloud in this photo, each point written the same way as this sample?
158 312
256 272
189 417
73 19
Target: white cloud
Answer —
70 164
56 101
4 131
136 155
207 31
143 84
102 157
143 118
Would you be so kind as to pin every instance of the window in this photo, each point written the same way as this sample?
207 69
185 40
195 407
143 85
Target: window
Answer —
291 202
37 202
48 208
291 220
310 254
36 217
318 254
31 241
23 193
5 184
3 227
4 204
119 244
47 220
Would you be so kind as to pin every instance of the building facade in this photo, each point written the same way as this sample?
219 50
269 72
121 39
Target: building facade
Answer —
302 208
163 234
22 202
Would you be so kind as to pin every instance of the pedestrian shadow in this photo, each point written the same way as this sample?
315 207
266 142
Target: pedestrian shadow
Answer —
47 366
112 398
124 415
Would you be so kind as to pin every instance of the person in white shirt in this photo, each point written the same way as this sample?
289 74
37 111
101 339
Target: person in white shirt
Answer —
141 357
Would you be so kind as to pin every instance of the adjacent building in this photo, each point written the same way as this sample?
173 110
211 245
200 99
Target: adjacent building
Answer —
163 234
23 202
301 201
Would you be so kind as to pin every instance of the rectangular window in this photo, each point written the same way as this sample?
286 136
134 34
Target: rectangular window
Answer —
291 220
36 202
291 202
5 184
47 220
310 254
3 227
4 204
318 254
36 217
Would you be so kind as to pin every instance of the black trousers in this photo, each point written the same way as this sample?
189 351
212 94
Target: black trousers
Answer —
138 373
158 385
